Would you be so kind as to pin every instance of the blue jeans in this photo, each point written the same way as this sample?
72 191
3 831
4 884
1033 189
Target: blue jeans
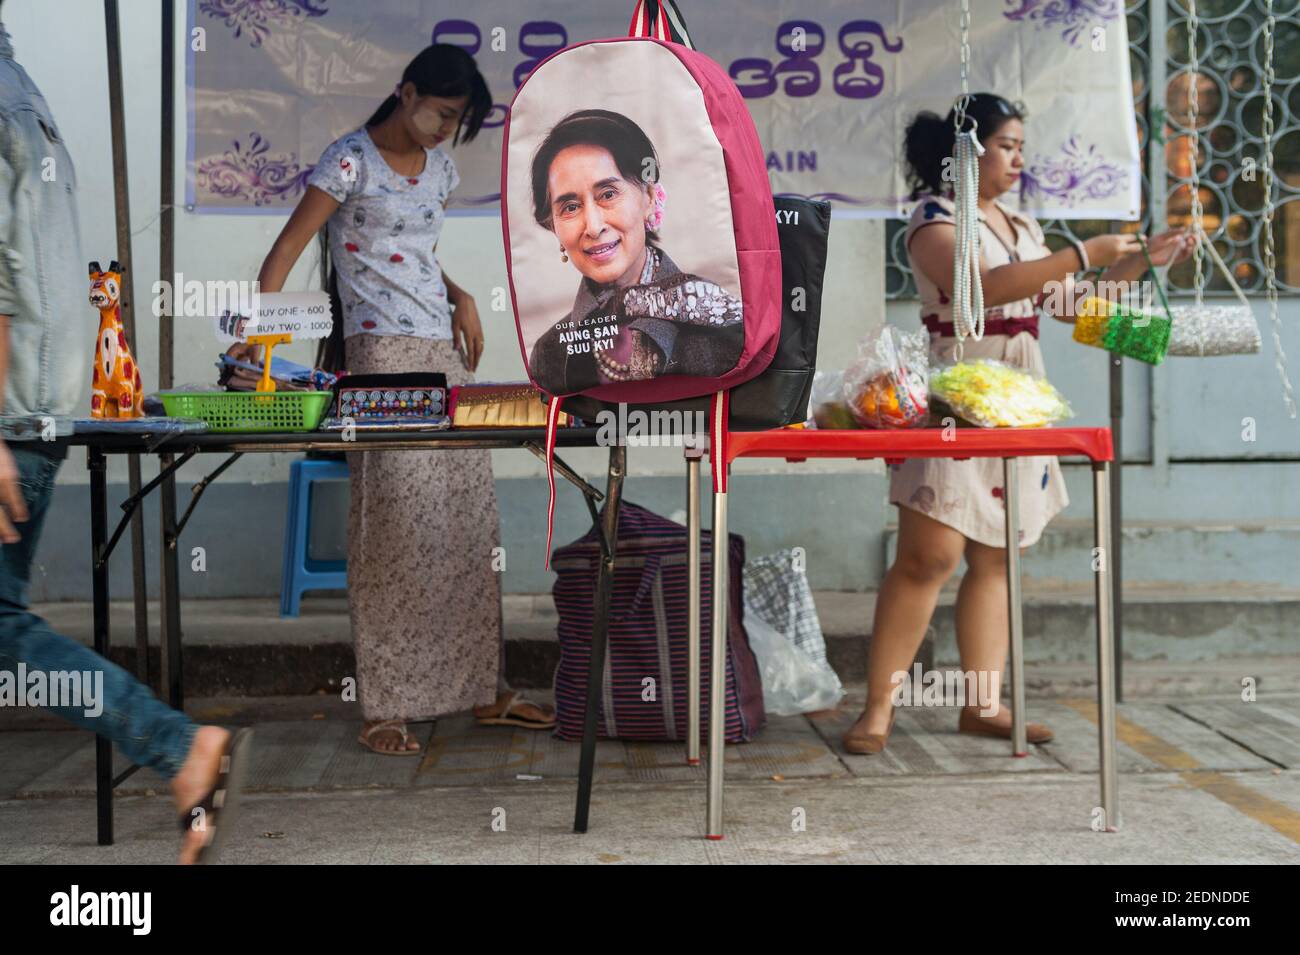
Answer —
146 730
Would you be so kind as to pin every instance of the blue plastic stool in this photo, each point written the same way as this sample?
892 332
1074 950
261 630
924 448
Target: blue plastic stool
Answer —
299 571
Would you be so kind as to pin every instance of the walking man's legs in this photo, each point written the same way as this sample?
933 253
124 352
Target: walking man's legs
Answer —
51 670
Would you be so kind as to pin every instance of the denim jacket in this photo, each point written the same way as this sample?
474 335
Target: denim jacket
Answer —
43 284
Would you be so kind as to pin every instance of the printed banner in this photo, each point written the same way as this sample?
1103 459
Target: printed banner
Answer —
831 85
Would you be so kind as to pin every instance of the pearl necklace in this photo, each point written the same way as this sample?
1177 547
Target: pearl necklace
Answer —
613 370
622 371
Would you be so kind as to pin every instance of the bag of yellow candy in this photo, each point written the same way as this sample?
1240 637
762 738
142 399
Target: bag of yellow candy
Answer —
993 394
887 386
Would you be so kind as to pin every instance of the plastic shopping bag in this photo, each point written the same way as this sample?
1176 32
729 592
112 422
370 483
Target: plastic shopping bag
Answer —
793 682
887 387
993 394
786 637
826 407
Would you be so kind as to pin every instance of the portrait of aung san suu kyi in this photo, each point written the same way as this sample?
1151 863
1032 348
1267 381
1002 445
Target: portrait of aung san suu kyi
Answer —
636 315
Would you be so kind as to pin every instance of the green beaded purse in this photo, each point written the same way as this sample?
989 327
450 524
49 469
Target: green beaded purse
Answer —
1133 332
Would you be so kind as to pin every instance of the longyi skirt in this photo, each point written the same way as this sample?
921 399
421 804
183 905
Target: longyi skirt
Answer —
423 591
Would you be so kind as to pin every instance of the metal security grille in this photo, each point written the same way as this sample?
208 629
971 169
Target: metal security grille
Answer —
1228 131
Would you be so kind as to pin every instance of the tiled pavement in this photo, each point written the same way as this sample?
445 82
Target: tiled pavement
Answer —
1202 780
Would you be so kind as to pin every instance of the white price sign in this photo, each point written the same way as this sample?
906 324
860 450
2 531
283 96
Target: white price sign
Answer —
304 315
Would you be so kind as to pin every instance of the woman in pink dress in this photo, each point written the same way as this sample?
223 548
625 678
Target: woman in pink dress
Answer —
949 510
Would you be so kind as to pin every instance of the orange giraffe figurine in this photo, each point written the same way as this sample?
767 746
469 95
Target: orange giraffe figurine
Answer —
115 388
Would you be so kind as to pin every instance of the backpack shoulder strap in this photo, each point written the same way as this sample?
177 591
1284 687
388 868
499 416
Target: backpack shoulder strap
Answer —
552 422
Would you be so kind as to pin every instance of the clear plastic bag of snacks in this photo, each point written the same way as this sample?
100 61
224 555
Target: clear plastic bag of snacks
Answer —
993 394
887 386
826 407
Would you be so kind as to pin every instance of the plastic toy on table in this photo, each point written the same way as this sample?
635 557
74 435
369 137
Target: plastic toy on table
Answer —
993 394
115 388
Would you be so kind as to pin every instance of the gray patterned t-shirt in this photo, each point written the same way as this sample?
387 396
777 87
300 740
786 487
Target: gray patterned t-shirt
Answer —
382 238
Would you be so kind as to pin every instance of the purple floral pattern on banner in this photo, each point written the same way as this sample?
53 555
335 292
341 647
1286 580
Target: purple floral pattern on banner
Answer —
257 17
1074 175
252 173
1073 15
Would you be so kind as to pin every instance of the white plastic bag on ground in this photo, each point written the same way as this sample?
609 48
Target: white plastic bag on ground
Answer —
786 637
793 682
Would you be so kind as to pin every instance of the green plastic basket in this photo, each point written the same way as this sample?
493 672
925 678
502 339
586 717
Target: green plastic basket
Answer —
250 411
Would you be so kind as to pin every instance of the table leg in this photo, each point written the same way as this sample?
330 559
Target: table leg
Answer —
693 608
1115 554
139 586
1106 715
170 676
95 461
1015 613
599 633
718 664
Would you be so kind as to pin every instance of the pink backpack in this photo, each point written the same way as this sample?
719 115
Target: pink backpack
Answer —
641 246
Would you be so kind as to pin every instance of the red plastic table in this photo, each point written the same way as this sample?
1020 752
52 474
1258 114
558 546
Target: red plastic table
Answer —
1009 444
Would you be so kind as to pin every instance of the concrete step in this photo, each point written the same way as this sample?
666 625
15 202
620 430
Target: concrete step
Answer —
1176 623
244 648
1167 552
1193 590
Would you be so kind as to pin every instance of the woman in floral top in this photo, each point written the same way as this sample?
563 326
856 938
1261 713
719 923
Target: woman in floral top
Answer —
424 596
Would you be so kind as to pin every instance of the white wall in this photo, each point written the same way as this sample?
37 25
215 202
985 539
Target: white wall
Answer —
65 55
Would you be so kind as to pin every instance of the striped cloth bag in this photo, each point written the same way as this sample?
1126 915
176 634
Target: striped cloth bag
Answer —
645 691
777 590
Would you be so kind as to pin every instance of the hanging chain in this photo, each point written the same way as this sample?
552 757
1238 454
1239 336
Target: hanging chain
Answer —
959 118
1194 137
967 287
1270 258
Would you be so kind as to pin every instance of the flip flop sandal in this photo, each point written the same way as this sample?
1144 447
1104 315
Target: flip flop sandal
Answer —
400 727
220 804
508 718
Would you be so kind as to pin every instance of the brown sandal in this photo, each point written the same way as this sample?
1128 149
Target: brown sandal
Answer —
971 723
868 744
506 717
398 725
